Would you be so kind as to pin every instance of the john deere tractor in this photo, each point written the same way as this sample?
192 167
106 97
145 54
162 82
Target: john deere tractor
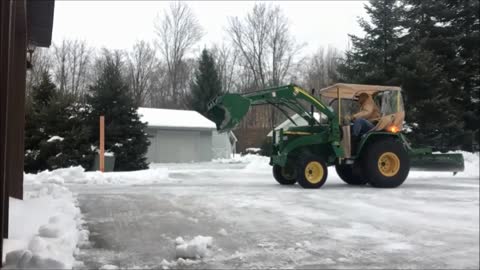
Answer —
301 154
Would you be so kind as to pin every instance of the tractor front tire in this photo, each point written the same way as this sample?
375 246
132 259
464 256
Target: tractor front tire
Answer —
386 163
312 172
351 174
283 175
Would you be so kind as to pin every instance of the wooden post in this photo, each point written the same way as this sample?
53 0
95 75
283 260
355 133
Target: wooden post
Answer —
102 143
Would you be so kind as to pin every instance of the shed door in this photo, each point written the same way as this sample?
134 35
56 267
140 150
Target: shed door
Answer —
177 146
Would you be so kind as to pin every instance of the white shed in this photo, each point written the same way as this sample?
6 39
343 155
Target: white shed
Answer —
182 136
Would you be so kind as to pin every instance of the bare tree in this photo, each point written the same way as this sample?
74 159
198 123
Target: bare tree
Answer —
321 68
60 55
226 62
41 63
266 46
141 62
250 37
80 57
177 31
71 61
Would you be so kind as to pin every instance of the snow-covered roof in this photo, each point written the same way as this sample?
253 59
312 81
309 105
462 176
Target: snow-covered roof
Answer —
178 119
299 120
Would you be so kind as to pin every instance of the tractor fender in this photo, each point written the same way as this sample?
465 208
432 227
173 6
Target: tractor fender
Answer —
374 136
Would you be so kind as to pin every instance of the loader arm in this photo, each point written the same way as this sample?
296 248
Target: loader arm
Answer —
229 109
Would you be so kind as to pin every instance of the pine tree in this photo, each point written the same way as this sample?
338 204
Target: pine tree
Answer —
430 48
124 132
429 71
35 133
206 84
373 58
49 113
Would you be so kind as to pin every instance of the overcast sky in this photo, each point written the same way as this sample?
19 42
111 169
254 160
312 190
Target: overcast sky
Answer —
118 24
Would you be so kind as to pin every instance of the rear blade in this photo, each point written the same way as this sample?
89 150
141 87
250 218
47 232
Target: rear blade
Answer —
227 111
437 162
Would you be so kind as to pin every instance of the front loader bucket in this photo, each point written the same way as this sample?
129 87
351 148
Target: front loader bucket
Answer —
437 162
227 111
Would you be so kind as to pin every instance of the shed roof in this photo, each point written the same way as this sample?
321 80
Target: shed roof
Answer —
348 90
177 119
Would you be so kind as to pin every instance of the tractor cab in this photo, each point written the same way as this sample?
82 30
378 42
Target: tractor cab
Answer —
343 99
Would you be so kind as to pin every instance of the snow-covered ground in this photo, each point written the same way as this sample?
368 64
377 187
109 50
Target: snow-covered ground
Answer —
232 214
45 229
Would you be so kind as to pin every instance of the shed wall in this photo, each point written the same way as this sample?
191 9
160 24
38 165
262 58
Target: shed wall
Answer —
221 145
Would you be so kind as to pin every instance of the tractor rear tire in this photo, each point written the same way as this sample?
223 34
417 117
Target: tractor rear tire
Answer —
351 174
386 163
283 176
312 172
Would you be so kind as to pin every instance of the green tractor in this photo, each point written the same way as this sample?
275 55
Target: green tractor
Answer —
301 154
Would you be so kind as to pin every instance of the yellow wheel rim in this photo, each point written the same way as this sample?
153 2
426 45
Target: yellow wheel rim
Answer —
314 172
389 164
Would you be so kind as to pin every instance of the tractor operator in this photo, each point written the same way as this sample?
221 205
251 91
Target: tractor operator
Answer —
363 120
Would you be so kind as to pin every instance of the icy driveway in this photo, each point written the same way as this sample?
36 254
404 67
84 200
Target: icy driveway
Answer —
426 223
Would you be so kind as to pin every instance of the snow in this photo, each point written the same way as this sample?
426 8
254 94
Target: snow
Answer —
253 150
136 218
46 228
78 175
223 232
55 138
260 224
174 118
195 248
109 267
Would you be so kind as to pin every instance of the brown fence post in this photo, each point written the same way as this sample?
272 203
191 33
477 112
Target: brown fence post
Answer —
102 144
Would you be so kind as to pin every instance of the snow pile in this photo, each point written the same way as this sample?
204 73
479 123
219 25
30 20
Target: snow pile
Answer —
238 159
180 263
258 163
46 228
471 164
193 249
77 175
109 267
55 138
253 150
254 163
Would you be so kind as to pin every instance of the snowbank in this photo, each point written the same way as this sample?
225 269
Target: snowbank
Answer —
77 175
254 163
45 229
195 248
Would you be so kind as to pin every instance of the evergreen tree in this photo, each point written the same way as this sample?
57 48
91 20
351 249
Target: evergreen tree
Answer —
50 113
429 71
430 48
124 132
206 84
373 58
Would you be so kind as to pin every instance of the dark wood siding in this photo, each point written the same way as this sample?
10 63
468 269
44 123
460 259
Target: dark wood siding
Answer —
15 17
